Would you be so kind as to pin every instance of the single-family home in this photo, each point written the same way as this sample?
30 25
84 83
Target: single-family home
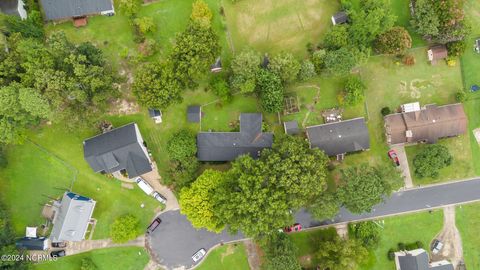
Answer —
427 124
73 214
32 243
227 146
13 7
339 18
436 53
68 9
339 138
418 260
120 151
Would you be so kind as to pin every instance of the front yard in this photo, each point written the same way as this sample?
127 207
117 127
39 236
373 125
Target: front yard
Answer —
231 257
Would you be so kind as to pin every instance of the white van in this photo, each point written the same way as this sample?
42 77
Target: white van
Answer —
143 185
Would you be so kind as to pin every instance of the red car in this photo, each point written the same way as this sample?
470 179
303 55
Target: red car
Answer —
393 156
294 228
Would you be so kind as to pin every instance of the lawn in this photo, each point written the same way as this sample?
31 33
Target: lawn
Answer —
462 166
231 257
407 229
276 25
34 176
306 243
468 222
401 9
121 258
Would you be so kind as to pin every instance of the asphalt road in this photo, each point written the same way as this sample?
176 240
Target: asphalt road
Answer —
175 240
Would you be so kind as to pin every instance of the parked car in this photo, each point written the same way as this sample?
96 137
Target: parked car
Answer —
159 197
199 255
143 185
59 244
437 246
154 225
393 156
58 253
294 228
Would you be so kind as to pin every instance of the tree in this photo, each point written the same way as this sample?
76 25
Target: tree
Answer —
271 91
340 62
279 252
245 67
318 60
354 89
431 159
285 66
183 172
258 195
195 50
129 7
395 41
325 206
197 201
221 88
87 264
182 144
365 186
31 27
201 13
425 20
336 37
145 24
338 254
368 233
156 85
456 48
307 70
124 228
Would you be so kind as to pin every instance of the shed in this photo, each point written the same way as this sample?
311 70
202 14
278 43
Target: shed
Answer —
476 46
339 18
194 114
217 66
437 52
32 243
156 115
13 7
291 127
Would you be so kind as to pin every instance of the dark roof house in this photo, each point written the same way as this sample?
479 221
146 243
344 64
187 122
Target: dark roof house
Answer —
418 260
121 149
291 127
66 9
342 137
72 216
13 7
428 124
437 52
32 243
194 114
339 18
226 146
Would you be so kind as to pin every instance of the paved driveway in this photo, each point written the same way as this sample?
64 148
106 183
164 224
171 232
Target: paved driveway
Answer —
404 167
175 240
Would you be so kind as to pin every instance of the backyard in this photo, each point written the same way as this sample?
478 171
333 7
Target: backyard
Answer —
231 257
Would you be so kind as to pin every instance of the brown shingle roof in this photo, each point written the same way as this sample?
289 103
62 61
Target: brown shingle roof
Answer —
437 52
429 124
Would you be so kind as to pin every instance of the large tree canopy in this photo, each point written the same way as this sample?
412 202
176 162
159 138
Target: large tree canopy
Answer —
431 159
285 66
245 67
339 254
395 41
271 91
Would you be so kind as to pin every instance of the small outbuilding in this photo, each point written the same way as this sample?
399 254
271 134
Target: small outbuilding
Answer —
340 18
32 243
194 114
217 67
156 115
265 62
291 127
13 7
436 53
476 46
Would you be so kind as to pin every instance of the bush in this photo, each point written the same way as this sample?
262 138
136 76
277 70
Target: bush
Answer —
220 88
451 61
401 246
307 71
456 48
397 41
368 233
285 66
391 254
354 89
124 228
431 159
87 264
419 244
318 60
386 111
182 145
461 96
411 246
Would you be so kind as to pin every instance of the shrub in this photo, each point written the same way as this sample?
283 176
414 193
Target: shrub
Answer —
456 48
220 88
145 25
431 159
451 61
397 41
460 96
124 228
354 89
409 60
87 264
183 144
401 246
391 254
318 60
368 233
411 246
419 244
307 70
201 13
386 111
285 66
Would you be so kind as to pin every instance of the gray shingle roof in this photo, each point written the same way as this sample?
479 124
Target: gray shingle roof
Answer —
412 262
226 146
340 17
291 127
340 137
61 9
72 217
9 7
193 114
118 149
32 243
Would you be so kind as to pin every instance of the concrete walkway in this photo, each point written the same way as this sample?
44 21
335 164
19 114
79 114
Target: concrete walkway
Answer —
402 157
88 245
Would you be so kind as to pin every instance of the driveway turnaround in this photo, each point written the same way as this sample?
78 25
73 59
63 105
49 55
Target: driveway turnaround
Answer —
175 240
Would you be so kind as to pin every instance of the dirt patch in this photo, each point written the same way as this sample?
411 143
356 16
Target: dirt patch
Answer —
450 237
254 255
123 106
476 133
230 250
342 230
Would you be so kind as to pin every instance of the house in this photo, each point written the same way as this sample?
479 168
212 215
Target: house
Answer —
67 9
194 114
339 138
427 124
418 260
72 216
13 7
156 115
120 151
291 127
437 52
32 243
226 146
339 18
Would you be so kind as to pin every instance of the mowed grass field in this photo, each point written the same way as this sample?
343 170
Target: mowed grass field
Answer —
468 222
231 257
122 258
278 25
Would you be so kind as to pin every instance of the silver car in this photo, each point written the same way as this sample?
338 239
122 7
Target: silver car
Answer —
159 197
199 255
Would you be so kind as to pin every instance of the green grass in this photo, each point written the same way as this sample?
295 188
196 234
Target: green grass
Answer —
468 222
33 176
277 25
231 257
122 258
306 243
462 166
407 229
401 9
